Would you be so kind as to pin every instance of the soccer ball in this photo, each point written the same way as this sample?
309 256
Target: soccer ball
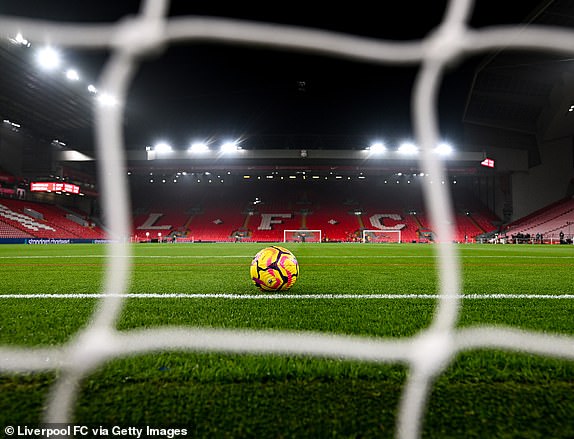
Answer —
274 269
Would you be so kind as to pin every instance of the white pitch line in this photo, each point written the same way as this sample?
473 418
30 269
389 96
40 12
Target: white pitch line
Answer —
285 296
365 256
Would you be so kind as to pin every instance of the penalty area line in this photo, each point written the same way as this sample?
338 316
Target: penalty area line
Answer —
280 296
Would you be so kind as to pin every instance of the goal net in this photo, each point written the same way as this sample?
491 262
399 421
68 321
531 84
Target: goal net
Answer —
302 236
382 236
426 354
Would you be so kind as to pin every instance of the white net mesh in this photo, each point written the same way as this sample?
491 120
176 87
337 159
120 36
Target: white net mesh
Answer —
426 354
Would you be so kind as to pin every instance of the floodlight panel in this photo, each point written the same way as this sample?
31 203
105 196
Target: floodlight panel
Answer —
198 147
377 148
48 58
72 75
163 147
444 149
228 147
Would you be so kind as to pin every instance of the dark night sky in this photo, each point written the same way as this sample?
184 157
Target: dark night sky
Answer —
193 91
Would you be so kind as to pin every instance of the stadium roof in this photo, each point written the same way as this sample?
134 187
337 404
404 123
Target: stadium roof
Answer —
515 92
285 100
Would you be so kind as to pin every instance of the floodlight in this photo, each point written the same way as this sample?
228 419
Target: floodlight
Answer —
444 149
107 100
377 148
198 147
163 148
228 147
92 88
12 124
72 75
19 39
48 58
58 142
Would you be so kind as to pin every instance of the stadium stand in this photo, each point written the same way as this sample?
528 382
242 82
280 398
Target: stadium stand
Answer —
548 222
259 212
29 219
255 212
7 231
337 224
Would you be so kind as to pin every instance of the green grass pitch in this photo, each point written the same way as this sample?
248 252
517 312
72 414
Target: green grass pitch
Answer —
482 394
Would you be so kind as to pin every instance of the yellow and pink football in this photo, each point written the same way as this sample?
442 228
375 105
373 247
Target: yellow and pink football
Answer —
274 268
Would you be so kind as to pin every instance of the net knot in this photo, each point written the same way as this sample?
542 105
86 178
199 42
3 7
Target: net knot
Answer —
140 36
446 44
431 351
91 348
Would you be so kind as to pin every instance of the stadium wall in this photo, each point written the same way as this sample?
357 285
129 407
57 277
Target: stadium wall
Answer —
11 146
24 154
546 183
48 241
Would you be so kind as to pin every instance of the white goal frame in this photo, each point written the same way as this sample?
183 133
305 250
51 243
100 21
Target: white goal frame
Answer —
386 231
313 231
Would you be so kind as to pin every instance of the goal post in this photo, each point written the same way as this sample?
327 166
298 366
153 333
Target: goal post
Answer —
382 236
302 236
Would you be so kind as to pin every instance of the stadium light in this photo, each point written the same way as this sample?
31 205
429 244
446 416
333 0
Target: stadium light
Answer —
72 75
19 39
107 100
229 147
377 148
408 149
198 148
12 124
57 142
444 149
163 148
48 58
